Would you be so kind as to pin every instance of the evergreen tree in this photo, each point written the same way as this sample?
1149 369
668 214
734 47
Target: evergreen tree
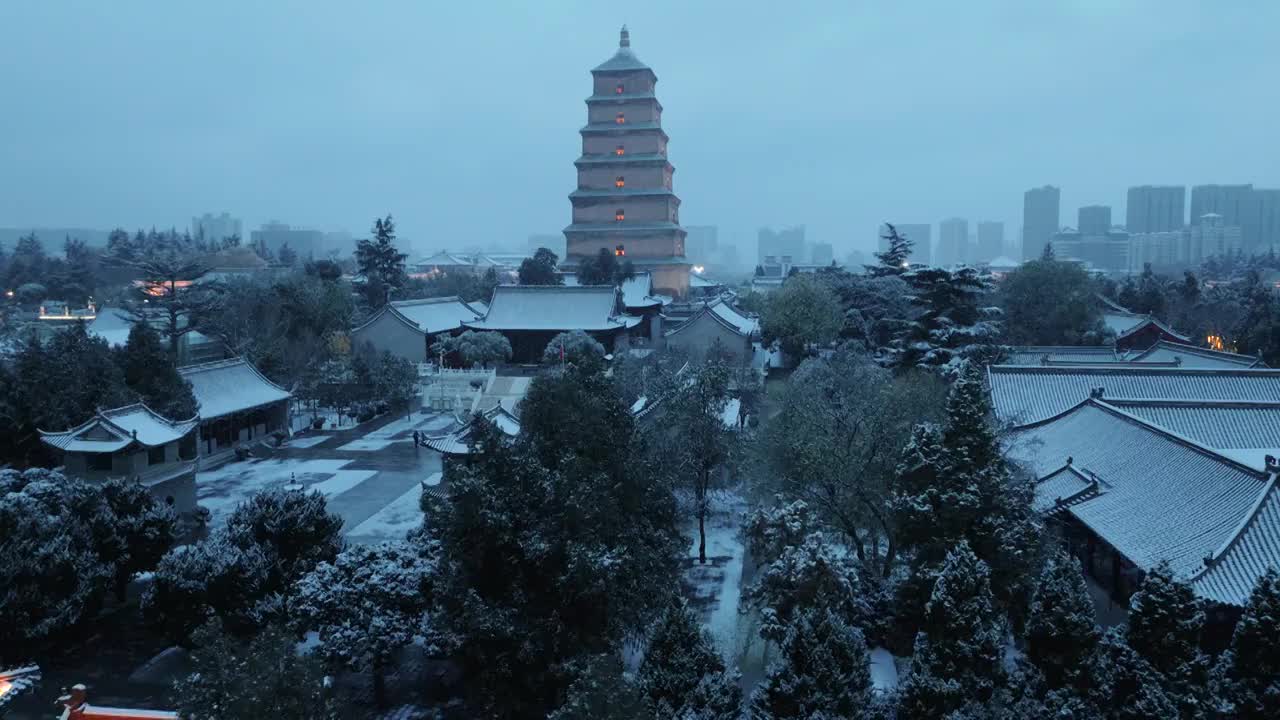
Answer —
540 269
823 672
604 269
1051 303
287 255
683 673
264 677
953 485
1247 678
949 324
150 372
958 651
171 293
809 574
1061 634
366 605
893 260
1125 685
1165 622
146 528
600 692
1047 255
380 262
574 347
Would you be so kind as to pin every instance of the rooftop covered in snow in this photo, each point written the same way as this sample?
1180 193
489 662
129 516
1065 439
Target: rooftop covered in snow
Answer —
1155 495
637 291
1022 394
110 431
230 386
430 315
553 308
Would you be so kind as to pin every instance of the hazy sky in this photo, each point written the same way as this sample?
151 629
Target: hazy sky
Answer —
462 118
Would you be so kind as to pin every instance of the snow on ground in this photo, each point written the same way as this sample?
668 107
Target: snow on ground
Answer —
730 415
342 481
884 670
393 521
433 479
715 589
404 427
306 441
221 489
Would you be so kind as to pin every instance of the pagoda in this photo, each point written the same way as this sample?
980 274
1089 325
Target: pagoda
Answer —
624 202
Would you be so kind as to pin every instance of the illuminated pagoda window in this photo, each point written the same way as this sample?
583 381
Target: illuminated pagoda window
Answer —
620 119
620 251
620 151
620 182
619 215
618 89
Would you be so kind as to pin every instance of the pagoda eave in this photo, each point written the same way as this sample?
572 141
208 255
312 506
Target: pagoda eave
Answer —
611 160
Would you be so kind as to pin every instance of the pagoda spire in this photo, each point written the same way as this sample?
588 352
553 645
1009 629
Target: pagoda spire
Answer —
624 38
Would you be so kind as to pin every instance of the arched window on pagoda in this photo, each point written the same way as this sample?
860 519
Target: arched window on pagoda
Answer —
619 251
620 182
618 89
620 151
620 119
619 215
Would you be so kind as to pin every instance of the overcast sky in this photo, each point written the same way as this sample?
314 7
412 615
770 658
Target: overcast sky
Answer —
462 118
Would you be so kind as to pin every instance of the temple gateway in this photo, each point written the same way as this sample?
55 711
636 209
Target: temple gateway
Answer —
624 203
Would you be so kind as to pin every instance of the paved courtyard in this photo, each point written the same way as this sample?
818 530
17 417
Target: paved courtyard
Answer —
371 474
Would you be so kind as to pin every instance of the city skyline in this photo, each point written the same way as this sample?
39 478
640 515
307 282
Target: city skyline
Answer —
414 125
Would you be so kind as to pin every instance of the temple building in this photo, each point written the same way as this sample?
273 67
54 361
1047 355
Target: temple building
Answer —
624 203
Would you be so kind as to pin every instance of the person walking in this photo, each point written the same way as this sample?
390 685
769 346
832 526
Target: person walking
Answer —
416 439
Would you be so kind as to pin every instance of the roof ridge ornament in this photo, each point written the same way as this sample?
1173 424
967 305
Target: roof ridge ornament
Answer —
624 37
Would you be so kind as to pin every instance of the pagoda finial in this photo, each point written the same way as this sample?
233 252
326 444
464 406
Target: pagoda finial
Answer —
625 38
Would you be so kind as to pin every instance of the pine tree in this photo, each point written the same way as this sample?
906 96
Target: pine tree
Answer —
948 326
823 672
893 261
600 692
149 371
1061 634
1125 684
1247 678
958 652
1165 622
683 673
540 269
380 262
1047 255
808 575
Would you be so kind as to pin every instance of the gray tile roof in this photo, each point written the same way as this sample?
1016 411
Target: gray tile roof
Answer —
1164 353
1160 496
1219 424
552 308
1025 394
120 428
229 386
1195 357
1036 354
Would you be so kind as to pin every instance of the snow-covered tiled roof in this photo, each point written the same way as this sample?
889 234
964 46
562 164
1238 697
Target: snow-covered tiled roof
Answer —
1195 357
1062 488
1232 571
229 386
1152 321
728 313
1037 354
552 308
111 430
1221 425
430 315
1122 322
112 325
637 291
1022 394
1160 496
444 257
458 441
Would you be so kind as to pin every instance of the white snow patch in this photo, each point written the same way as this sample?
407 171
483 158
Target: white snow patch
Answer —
342 481
730 415
404 427
221 489
720 580
394 520
884 670
433 479
308 441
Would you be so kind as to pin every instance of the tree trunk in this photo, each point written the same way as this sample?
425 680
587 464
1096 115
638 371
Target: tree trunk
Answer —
702 536
379 687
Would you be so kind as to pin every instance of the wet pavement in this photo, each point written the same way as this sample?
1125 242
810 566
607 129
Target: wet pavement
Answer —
371 474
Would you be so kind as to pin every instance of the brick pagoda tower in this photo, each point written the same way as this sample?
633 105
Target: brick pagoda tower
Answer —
624 201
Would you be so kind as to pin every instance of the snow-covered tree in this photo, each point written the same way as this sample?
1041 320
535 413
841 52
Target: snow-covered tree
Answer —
1247 678
482 348
263 677
803 314
366 605
151 371
574 347
823 672
957 655
1165 623
213 579
600 692
1061 634
808 575
549 552
893 259
952 324
540 269
692 443
952 485
683 673
380 262
1125 685
295 529
146 528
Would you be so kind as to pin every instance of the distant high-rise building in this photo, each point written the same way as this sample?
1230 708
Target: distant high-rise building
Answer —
1094 220
787 241
1155 209
554 243
990 238
821 253
921 241
702 243
215 228
1039 219
1210 236
1262 224
274 235
953 242
1229 201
